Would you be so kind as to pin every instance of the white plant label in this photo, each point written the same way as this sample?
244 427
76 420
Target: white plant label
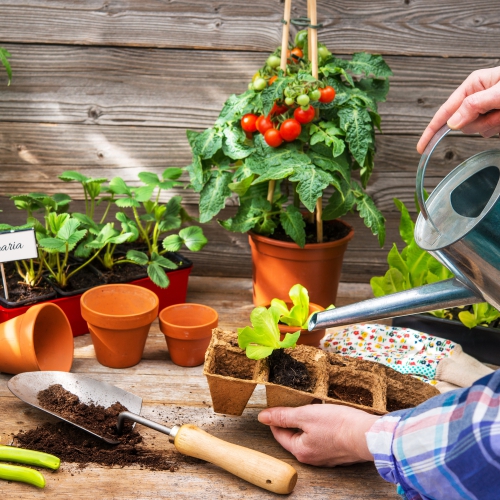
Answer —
18 245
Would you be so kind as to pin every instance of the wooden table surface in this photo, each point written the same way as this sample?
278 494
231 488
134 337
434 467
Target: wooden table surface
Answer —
176 395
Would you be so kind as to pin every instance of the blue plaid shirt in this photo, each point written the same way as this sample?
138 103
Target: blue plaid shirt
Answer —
446 448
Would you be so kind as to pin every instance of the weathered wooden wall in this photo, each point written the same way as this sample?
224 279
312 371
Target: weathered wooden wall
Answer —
108 87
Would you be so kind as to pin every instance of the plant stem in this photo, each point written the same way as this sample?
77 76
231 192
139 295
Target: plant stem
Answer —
72 273
106 211
141 229
270 191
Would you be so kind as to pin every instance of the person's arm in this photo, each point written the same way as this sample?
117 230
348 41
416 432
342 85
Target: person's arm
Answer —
445 448
473 108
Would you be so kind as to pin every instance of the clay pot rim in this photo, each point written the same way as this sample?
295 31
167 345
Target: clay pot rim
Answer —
292 244
102 315
198 325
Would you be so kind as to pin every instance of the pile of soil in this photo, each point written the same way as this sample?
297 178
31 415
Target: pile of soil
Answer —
71 444
287 371
332 231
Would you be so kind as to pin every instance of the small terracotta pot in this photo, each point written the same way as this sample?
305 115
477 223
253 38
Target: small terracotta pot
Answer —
278 265
39 339
188 330
306 337
119 318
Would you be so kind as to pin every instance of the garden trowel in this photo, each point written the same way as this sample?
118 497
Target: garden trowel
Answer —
253 466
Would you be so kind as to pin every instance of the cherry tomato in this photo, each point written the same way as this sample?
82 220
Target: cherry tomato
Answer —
301 39
278 109
304 116
296 54
259 83
248 122
289 101
272 79
302 100
290 129
324 52
263 124
314 95
273 138
327 94
273 61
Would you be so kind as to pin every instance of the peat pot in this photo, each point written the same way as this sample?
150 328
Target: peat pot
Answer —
278 265
188 330
119 317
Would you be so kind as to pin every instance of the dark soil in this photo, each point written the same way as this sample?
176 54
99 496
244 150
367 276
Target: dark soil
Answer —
72 444
395 405
357 395
332 231
287 371
84 279
121 273
20 291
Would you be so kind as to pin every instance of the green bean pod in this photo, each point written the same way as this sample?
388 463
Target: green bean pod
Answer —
30 457
22 474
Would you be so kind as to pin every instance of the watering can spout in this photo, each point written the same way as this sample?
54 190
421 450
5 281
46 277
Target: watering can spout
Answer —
440 295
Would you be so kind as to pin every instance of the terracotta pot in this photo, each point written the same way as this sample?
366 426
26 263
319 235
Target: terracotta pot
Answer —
306 337
119 317
188 330
278 265
39 339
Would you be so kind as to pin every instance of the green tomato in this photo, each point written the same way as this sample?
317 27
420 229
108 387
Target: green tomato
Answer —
250 86
324 53
273 61
314 95
289 101
259 84
301 39
302 100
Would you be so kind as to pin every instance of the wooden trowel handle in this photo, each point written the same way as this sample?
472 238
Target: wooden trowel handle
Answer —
253 466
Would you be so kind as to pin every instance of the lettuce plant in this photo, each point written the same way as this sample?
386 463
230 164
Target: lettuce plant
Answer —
261 340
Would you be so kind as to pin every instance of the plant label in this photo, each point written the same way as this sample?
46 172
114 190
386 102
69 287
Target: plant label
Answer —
18 245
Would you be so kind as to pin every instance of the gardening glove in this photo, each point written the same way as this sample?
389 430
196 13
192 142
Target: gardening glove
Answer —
434 360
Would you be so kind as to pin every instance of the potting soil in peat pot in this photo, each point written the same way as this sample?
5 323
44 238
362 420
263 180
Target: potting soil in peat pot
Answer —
285 370
73 445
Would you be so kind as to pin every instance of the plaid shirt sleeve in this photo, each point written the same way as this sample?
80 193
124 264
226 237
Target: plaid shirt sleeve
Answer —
446 448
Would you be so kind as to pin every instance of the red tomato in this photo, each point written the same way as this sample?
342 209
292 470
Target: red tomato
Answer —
279 109
248 122
263 124
304 116
273 138
327 94
290 129
272 79
249 135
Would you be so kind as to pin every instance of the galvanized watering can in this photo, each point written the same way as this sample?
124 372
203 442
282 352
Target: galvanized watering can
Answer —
460 226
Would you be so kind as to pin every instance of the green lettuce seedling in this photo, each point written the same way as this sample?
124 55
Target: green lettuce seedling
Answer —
261 340
298 315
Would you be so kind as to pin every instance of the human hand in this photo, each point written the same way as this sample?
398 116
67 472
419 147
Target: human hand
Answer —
323 435
473 108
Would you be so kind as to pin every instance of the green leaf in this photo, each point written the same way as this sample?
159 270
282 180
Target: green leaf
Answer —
4 55
281 306
234 144
294 225
171 173
339 204
258 351
406 225
149 178
393 281
322 156
127 203
290 340
371 215
311 183
56 221
207 143
213 195
138 257
71 175
357 124
144 193
53 245
117 186
237 105
251 213
376 89
157 275
241 187
328 132
395 260
195 171
162 261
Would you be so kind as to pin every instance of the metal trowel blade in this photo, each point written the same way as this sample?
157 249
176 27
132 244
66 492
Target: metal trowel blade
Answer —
26 387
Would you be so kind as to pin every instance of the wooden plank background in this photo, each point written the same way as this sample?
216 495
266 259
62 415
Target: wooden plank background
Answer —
109 87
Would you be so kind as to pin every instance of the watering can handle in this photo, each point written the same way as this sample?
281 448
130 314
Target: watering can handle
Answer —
424 160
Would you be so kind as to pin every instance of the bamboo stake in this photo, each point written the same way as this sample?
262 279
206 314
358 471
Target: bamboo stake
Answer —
313 47
284 53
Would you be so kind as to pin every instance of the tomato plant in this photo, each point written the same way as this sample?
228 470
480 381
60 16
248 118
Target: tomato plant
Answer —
249 122
263 124
304 116
327 94
279 109
273 138
296 54
290 129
